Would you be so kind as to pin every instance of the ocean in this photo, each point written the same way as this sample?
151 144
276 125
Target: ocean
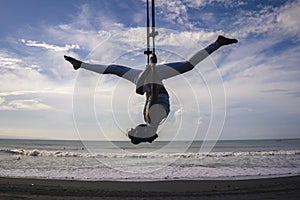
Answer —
161 160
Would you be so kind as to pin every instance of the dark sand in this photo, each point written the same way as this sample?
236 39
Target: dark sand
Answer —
271 188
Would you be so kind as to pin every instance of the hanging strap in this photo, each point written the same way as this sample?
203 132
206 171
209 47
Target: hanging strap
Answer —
148 52
153 32
152 35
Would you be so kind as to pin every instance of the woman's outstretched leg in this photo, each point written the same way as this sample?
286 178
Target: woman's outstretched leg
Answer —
121 71
204 53
173 69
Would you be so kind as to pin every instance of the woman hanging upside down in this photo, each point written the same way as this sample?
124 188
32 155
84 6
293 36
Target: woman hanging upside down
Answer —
157 106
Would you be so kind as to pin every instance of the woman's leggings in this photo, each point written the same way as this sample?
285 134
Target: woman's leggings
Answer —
164 71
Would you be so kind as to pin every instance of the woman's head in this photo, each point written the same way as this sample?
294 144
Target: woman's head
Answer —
142 133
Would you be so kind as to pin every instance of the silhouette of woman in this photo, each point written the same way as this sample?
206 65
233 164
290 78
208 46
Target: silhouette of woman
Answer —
157 107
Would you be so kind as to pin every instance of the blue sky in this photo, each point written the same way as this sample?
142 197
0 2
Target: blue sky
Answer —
260 75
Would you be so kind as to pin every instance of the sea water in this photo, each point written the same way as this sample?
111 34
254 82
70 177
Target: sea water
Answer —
91 160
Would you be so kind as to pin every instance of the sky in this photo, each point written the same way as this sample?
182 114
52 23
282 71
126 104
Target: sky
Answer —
244 91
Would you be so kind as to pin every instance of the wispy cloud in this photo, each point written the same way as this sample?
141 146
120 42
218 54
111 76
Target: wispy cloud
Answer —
288 18
8 62
174 12
26 104
1 100
44 45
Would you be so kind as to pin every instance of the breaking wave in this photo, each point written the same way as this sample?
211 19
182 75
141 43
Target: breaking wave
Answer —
45 153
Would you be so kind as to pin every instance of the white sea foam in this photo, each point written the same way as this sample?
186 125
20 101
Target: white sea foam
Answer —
68 160
44 153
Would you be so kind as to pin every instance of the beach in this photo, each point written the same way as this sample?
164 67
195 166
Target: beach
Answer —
263 188
42 169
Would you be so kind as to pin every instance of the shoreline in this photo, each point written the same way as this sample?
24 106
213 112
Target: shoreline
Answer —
145 180
264 188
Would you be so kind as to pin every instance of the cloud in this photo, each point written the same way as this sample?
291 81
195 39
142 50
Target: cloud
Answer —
2 100
244 19
221 3
185 13
273 20
288 18
44 45
22 78
174 12
26 104
50 91
255 21
8 62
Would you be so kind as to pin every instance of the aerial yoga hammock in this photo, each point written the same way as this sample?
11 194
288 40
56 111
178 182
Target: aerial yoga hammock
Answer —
149 82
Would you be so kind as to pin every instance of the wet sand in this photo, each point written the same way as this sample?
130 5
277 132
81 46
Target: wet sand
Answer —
270 188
